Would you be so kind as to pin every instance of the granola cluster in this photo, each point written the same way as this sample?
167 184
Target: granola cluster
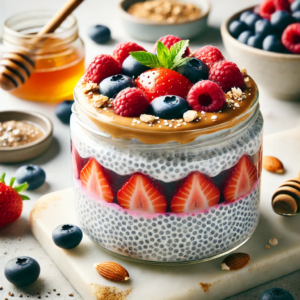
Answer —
169 11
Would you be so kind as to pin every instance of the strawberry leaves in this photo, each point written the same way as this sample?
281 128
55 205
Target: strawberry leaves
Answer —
18 189
165 58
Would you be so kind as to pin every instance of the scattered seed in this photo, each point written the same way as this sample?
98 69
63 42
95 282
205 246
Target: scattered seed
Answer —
58 294
39 297
1 288
54 290
10 294
273 241
5 252
20 295
71 295
268 247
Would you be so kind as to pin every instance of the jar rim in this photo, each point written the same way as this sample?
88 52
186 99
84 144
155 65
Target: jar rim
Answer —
46 13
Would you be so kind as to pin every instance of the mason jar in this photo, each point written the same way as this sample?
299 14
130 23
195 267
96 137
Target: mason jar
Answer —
58 56
167 158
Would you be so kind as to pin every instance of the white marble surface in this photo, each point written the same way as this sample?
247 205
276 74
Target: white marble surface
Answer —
150 282
56 161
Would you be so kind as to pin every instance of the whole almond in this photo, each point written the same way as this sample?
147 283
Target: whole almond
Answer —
147 118
235 261
272 164
112 271
190 116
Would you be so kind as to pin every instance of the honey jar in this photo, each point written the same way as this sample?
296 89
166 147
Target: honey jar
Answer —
59 56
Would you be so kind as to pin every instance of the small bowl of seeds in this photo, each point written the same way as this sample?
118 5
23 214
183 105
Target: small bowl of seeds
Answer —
149 20
23 135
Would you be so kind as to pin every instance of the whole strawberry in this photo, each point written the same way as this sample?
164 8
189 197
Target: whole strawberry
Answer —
11 204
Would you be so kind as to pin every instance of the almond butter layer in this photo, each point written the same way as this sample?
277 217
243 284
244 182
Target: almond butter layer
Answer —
163 131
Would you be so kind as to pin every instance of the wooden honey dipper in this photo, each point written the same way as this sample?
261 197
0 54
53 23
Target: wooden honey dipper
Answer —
286 199
16 67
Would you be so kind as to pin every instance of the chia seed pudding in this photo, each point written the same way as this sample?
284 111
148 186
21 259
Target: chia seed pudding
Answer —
167 194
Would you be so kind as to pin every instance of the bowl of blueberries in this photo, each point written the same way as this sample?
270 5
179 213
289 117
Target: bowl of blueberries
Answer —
265 39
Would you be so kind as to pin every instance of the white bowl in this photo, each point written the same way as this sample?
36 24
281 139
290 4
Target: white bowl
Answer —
278 74
150 31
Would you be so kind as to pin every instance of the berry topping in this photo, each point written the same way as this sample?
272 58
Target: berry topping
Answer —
22 271
130 102
67 236
170 40
276 294
111 86
139 193
102 66
100 34
34 175
296 16
244 36
77 162
206 96
263 28
295 6
244 15
11 204
93 178
209 55
282 5
168 107
237 27
291 38
272 43
227 75
64 110
160 82
281 19
255 41
250 21
193 69
240 180
131 67
196 193
266 9
122 51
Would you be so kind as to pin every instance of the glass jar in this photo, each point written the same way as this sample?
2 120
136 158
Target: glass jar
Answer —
59 56
168 237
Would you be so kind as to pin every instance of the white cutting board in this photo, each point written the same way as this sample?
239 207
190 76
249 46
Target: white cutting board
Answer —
200 281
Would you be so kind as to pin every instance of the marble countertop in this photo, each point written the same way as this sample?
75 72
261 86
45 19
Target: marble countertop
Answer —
16 239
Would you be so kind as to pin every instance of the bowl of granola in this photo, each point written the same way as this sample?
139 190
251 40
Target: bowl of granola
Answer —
149 20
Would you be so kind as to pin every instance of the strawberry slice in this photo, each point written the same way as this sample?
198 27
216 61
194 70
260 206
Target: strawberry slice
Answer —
161 82
196 193
93 178
240 180
138 193
77 162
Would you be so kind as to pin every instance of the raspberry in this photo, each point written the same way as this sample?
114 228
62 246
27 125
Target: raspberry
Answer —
209 55
291 38
227 75
207 96
282 5
169 41
266 9
130 102
122 51
101 67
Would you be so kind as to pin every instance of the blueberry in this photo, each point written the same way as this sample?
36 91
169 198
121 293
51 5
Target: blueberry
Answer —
132 68
34 175
255 41
276 294
100 34
281 19
22 270
236 28
168 107
194 69
295 6
244 36
263 28
244 15
296 16
272 43
111 86
64 110
67 236
250 20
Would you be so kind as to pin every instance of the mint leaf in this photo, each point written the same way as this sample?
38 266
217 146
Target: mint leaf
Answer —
177 50
147 59
163 55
